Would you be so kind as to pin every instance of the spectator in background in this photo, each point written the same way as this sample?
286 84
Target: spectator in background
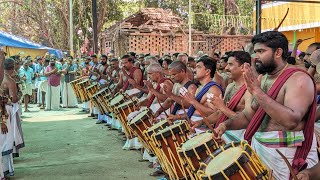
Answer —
26 74
53 91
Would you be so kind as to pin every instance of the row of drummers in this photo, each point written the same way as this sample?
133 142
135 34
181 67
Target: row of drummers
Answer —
181 154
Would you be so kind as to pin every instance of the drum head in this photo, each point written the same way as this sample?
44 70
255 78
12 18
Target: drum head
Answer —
116 100
175 128
199 143
224 160
139 117
157 126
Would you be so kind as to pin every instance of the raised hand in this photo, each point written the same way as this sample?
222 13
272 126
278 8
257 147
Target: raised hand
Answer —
166 90
217 102
148 84
252 79
186 95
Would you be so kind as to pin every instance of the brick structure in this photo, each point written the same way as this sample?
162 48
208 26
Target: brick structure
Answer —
159 31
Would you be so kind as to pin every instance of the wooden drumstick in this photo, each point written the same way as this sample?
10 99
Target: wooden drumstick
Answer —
307 38
288 164
185 112
161 108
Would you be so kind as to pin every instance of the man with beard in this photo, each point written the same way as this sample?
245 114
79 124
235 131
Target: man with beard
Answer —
235 95
128 71
282 109
178 75
199 107
53 90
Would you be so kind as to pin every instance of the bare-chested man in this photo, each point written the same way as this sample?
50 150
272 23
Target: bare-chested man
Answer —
184 58
235 95
286 95
178 75
128 71
205 70
7 135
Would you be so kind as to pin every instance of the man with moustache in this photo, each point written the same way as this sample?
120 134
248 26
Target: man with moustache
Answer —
53 89
282 109
205 70
235 95
128 71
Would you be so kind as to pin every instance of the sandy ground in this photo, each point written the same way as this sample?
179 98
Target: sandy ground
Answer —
68 145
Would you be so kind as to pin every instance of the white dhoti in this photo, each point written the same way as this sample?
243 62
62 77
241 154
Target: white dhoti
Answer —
195 118
154 107
6 147
134 142
233 135
264 145
53 97
17 129
43 86
132 91
85 105
68 97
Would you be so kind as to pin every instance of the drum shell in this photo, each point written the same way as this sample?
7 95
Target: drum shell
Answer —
232 171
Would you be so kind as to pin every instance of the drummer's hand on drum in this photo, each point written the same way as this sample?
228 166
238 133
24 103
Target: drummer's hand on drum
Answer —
195 124
172 118
219 131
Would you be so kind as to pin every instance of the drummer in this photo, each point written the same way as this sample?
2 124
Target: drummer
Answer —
234 97
205 71
128 71
178 75
284 123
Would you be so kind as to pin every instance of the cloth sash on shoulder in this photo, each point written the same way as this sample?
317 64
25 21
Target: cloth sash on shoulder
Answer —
234 101
301 154
150 101
199 96
177 106
126 84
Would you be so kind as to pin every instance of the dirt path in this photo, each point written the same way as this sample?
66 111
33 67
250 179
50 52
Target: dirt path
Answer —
66 145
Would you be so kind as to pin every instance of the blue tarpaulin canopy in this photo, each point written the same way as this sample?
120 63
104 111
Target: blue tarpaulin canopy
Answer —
9 40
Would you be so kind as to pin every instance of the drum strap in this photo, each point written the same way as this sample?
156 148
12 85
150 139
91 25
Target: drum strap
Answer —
234 101
126 83
302 151
157 89
177 106
199 96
